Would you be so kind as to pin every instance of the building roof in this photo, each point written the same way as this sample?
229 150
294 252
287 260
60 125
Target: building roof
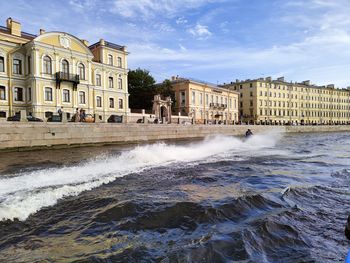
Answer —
23 34
107 44
282 81
200 82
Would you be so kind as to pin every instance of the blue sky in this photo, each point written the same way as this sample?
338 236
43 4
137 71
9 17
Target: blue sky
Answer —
216 41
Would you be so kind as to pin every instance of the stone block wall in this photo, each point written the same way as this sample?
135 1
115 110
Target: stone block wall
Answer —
26 136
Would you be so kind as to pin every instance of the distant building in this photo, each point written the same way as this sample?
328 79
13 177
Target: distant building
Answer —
55 69
205 102
271 101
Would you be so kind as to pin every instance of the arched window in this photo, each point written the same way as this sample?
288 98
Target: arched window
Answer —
81 71
120 83
47 65
98 80
110 60
65 67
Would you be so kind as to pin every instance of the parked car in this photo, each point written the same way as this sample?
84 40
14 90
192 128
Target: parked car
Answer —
17 117
115 119
54 118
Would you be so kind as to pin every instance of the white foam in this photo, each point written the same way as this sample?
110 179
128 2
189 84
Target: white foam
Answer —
24 194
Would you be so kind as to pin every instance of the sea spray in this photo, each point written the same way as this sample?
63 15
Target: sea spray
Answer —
26 193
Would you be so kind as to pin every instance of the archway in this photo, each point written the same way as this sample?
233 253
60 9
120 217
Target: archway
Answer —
162 108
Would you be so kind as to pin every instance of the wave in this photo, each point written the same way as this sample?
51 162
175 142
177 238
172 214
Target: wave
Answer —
24 194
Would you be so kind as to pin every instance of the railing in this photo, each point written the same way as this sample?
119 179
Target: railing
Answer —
218 105
63 76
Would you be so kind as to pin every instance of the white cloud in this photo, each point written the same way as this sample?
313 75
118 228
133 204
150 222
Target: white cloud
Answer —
82 5
200 32
146 9
181 21
163 27
182 48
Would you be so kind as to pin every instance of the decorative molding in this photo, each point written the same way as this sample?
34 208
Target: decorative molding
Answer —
65 41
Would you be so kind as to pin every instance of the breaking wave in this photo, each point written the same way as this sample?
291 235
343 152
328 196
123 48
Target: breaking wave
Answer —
24 194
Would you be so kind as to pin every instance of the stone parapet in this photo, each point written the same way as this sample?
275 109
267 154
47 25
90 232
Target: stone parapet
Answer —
27 136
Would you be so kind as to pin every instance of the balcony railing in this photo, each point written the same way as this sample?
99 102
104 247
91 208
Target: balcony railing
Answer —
63 76
218 106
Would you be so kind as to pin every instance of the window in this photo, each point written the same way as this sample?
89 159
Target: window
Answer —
2 64
193 97
200 98
110 60
18 94
29 65
17 66
119 62
110 82
251 94
29 94
47 64
48 94
2 114
111 102
182 98
65 67
120 102
98 101
98 80
206 99
2 93
66 95
81 97
120 83
81 71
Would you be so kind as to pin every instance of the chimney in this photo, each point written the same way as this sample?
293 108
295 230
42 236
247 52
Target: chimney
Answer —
307 82
42 31
14 27
102 42
85 42
268 79
281 79
173 78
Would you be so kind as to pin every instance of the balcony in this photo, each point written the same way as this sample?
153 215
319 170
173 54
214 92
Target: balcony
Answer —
63 76
218 106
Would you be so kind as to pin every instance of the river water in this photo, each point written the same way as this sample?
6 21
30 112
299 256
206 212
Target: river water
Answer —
271 198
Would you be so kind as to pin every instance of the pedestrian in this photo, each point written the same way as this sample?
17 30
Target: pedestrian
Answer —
82 115
77 116
59 111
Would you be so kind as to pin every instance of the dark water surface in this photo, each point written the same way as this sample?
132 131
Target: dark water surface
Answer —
272 198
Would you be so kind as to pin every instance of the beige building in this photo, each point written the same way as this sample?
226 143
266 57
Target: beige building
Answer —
271 101
57 70
204 102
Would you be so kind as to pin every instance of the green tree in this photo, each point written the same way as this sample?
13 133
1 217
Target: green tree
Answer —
141 88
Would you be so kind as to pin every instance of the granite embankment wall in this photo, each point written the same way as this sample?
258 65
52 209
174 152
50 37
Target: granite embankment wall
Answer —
29 136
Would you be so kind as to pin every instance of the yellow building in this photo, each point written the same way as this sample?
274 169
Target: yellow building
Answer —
57 70
204 102
271 101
